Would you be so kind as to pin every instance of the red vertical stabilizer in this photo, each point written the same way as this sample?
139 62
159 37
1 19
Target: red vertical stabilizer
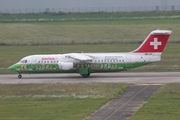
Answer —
155 42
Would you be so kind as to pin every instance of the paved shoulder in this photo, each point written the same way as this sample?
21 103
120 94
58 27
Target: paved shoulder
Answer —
126 104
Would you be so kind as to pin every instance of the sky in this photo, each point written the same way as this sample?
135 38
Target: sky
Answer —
42 4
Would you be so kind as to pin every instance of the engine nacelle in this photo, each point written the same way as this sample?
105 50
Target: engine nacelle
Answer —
65 65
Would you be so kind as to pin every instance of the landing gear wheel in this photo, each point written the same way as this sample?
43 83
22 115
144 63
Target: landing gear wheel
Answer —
85 75
19 76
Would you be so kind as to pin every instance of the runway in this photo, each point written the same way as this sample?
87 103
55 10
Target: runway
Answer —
130 78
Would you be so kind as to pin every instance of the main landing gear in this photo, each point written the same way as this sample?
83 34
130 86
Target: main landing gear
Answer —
19 76
85 75
84 72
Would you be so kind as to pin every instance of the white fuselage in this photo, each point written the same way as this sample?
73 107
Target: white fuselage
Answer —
97 58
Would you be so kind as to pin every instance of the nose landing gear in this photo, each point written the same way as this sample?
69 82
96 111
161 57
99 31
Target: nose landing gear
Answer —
19 76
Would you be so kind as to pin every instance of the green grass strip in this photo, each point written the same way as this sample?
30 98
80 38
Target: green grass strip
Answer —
55 101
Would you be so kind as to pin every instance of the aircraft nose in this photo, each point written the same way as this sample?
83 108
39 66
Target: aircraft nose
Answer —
12 67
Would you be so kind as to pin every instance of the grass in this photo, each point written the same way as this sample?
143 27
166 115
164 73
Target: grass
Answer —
41 17
55 101
162 105
84 32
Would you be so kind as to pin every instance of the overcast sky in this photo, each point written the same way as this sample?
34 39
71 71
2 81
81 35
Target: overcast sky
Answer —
81 3
42 4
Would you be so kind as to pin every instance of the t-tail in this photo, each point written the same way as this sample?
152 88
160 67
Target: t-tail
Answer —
155 43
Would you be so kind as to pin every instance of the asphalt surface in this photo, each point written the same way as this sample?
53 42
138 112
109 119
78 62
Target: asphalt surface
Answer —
130 78
142 85
125 105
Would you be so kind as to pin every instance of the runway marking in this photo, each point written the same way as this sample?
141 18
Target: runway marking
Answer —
126 102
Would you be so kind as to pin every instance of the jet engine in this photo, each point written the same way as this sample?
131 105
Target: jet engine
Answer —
65 65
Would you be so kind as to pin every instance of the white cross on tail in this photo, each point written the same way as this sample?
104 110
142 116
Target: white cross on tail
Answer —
155 43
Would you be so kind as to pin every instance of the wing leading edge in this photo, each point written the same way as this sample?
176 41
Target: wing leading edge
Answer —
79 56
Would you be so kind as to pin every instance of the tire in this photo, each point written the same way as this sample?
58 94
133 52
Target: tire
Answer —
19 76
85 75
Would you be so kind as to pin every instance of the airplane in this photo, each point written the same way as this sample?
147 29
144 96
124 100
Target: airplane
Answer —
86 63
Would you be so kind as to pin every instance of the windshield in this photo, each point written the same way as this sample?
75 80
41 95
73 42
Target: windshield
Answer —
23 61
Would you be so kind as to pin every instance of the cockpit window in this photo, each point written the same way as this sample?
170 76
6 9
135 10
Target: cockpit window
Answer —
23 61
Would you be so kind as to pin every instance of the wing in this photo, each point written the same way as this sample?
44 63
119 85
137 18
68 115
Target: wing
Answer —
79 56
